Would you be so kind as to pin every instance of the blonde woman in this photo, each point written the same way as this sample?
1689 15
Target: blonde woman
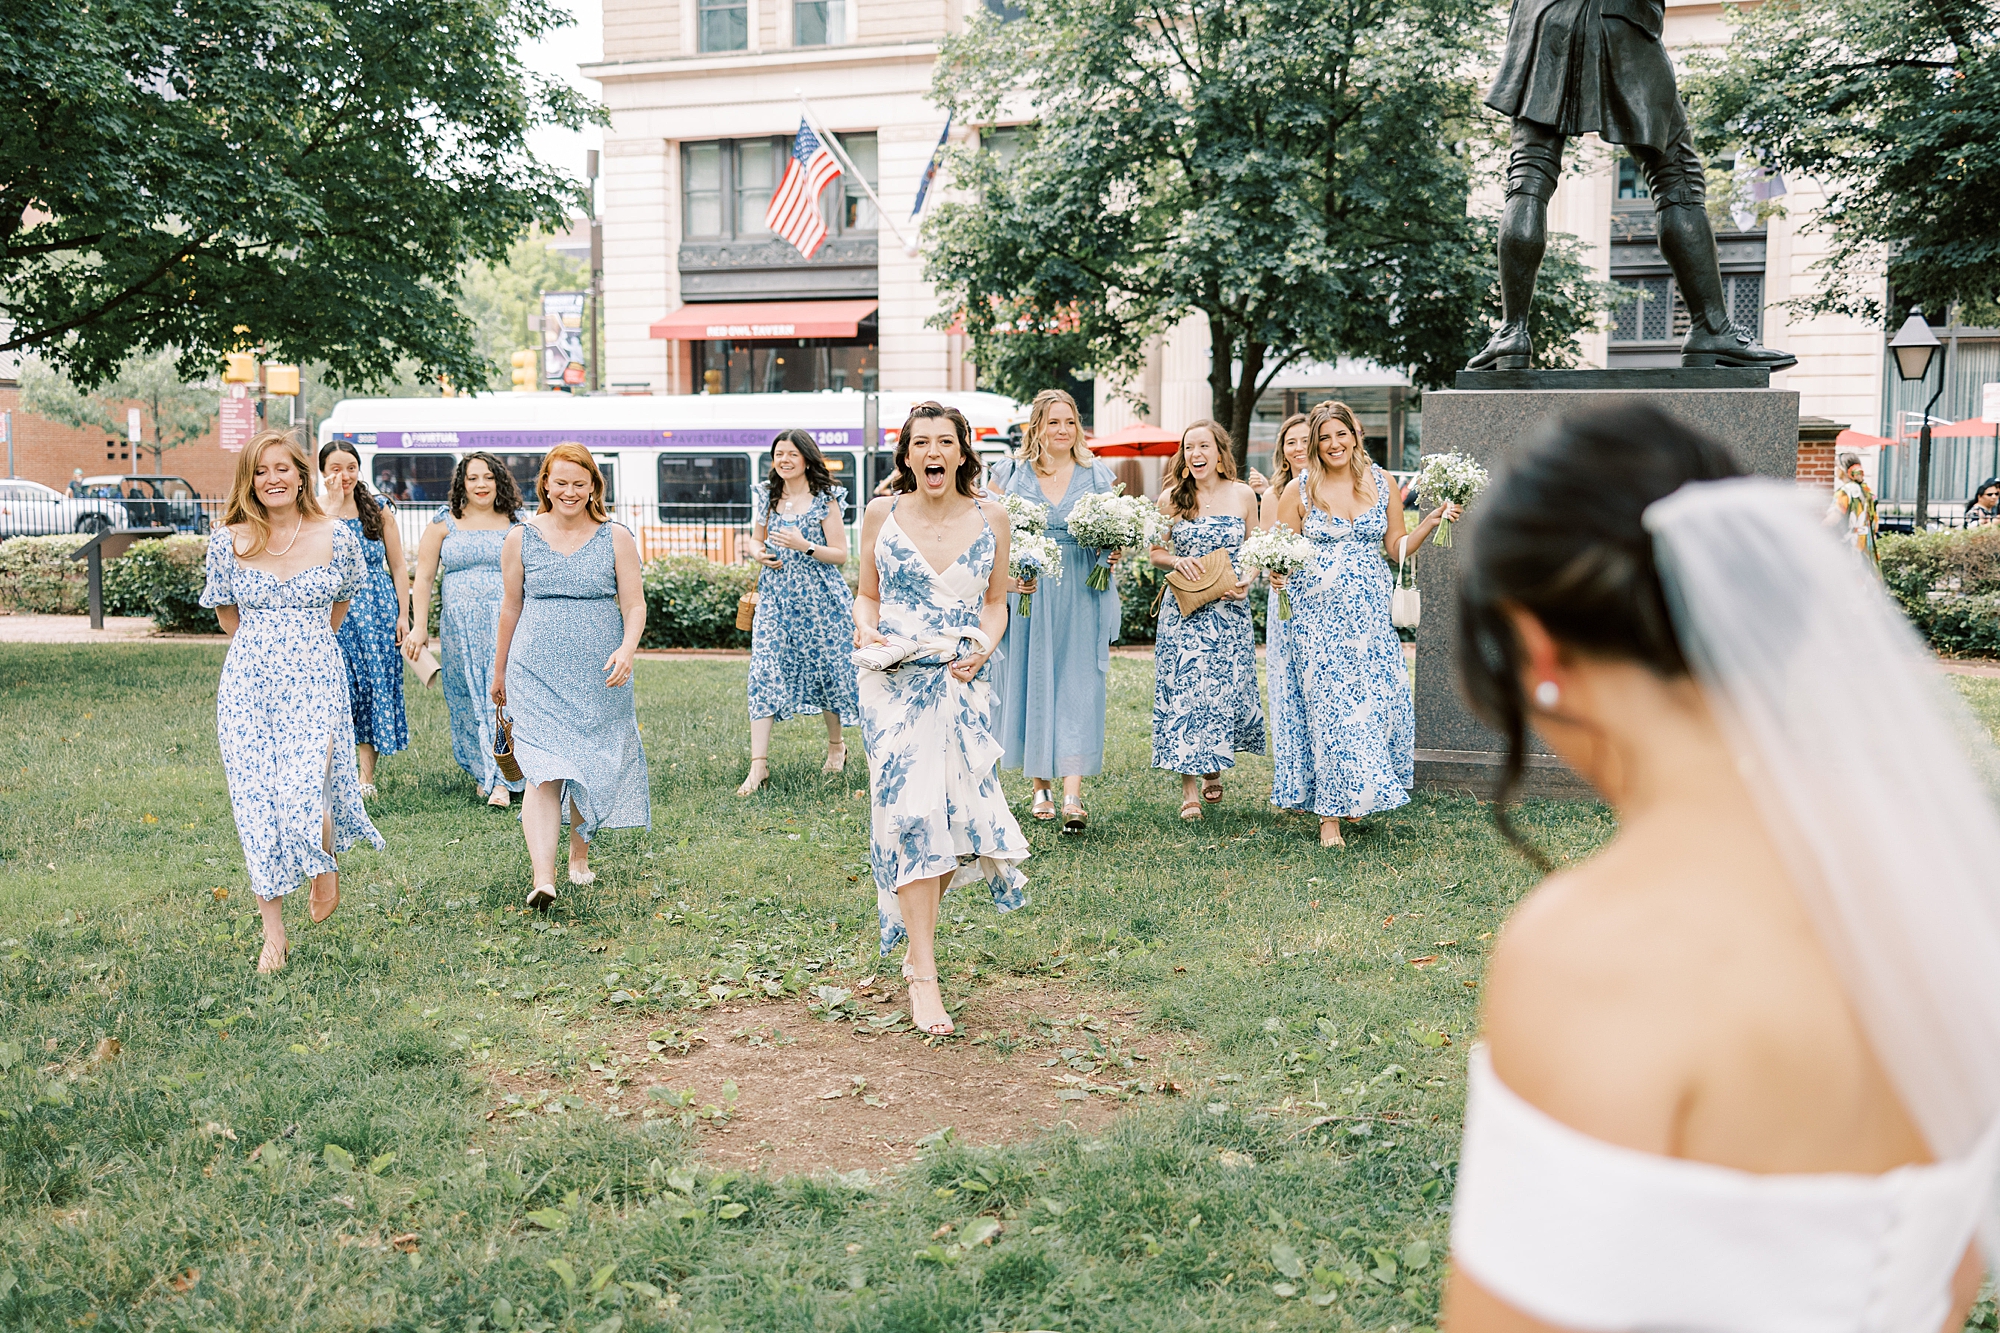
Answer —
1206 706
279 577
1053 664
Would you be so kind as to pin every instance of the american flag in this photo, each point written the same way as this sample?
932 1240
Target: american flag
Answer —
794 210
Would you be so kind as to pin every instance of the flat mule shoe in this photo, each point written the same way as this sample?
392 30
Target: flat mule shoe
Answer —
313 901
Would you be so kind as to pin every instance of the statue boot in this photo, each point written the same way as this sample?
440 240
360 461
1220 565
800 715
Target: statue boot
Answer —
1524 228
1508 349
1688 242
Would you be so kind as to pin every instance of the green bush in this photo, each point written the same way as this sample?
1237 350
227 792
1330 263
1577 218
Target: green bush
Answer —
1948 583
38 577
691 603
163 579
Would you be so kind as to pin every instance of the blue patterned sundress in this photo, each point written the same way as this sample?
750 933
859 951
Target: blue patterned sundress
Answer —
804 631
368 642
281 714
468 631
1349 747
936 806
1206 706
569 727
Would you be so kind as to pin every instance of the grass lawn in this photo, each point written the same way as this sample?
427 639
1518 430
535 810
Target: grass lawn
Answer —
435 1119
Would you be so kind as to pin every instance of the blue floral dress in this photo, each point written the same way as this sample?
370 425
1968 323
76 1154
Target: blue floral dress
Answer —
1349 747
281 714
569 727
368 642
468 632
1206 705
936 804
804 631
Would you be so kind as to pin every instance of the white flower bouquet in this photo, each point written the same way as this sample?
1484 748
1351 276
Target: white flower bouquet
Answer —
1112 522
1033 556
1449 479
1276 550
1026 515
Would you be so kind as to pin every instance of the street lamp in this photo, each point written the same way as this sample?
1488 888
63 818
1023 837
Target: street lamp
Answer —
1914 348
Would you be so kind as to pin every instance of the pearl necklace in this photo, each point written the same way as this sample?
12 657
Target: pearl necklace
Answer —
296 529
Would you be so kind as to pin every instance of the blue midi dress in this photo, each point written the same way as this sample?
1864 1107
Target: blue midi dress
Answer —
936 806
1206 705
568 726
1052 664
368 642
1350 740
468 632
281 714
804 631
1274 659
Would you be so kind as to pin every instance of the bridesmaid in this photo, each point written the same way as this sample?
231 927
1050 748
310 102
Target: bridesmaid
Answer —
799 663
573 600
1350 726
1205 700
379 616
934 571
280 574
1288 464
464 539
1053 664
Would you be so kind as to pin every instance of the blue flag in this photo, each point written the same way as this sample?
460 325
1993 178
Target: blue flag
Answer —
931 169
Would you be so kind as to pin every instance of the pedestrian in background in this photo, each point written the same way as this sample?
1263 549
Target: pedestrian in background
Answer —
801 638
1206 705
279 576
570 621
1853 508
378 615
1984 506
464 540
1052 666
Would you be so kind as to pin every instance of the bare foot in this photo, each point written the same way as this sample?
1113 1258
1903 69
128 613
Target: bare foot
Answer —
1329 833
273 957
501 797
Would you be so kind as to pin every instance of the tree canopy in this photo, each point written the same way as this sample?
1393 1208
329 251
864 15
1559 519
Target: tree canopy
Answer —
306 177
1296 172
1894 110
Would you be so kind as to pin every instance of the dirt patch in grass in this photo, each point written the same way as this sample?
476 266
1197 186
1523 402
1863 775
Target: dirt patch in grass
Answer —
861 1091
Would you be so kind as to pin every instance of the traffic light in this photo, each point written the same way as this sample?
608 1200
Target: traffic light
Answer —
525 370
239 368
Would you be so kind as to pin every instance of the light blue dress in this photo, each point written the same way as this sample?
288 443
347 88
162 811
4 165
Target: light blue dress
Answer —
568 726
468 632
804 631
368 642
1206 705
281 714
1051 668
1350 740
936 806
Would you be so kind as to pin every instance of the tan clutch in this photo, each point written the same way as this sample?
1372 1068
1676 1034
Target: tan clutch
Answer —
1218 576
426 666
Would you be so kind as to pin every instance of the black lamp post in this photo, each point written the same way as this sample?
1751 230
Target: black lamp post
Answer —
1914 347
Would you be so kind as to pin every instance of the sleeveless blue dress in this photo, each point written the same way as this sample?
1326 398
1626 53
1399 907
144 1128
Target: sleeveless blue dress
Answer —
804 631
1206 705
468 633
368 642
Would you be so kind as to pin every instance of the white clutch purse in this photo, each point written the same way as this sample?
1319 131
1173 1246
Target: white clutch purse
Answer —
1406 605
895 649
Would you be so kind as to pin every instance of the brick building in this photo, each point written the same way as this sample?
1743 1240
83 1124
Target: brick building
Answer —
50 453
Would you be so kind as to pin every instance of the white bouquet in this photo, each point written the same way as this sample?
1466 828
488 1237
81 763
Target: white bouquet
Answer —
1449 479
1033 556
1277 550
1112 522
1026 515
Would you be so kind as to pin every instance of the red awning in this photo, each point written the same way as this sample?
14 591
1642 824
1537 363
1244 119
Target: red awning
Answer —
1854 439
1138 441
748 321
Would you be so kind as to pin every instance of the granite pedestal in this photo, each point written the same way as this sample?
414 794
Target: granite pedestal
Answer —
1454 751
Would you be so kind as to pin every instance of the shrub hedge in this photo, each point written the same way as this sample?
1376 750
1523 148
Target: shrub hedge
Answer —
691 603
38 577
163 579
1948 583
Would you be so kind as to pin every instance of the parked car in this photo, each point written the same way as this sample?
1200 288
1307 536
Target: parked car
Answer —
30 509
152 501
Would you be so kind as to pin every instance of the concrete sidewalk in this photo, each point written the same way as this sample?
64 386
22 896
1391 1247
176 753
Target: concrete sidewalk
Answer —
20 628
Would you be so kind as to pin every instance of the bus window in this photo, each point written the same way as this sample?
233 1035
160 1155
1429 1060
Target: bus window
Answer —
705 486
609 467
525 469
845 469
414 478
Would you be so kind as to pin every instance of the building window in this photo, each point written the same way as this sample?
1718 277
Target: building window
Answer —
857 210
1655 313
724 24
1631 184
702 170
795 366
819 22
756 181
727 184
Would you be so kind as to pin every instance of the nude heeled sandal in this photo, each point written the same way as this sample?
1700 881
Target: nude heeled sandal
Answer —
944 1029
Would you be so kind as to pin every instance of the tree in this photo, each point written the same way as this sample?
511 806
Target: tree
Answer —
498 298
176 411
1296 172
305 177
1894 109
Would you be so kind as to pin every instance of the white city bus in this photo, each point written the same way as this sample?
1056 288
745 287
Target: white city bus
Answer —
679 469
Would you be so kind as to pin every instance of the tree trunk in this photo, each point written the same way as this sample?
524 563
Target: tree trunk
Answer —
1246 404
1221 393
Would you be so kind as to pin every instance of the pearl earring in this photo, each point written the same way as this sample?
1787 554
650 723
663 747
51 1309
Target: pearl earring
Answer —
1548 694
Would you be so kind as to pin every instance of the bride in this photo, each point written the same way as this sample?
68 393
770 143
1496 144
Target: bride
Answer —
1741 1069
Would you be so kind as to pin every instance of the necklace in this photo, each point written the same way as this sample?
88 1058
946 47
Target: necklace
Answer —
935 528
296 529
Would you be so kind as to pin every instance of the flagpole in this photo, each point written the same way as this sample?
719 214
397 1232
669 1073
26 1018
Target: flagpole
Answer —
847 163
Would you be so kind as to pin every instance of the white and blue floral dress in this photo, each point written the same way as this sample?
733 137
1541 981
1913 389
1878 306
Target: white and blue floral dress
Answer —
804 631
281 714
468 632
1206 706
368 642
1340 688
936 805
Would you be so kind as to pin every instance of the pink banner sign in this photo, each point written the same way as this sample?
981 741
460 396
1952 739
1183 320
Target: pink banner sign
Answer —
239 420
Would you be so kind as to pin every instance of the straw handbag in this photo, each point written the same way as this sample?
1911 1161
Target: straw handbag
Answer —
503 747
746 607
1406 605
1218 576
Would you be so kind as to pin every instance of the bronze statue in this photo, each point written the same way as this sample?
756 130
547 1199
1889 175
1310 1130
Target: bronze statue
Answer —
1597 66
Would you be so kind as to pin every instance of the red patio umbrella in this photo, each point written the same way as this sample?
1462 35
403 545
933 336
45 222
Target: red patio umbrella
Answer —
1975 427
1136 441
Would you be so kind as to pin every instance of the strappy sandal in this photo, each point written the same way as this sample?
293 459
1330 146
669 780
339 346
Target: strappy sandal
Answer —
583 876
542 897
264 963
1044 807
753 784
1212 785
313 901
944 1029
1075 817
1329 833
1191 809
829 767
500 798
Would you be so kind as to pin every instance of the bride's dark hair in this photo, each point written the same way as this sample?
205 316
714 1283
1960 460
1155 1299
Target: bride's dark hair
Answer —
1559 534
